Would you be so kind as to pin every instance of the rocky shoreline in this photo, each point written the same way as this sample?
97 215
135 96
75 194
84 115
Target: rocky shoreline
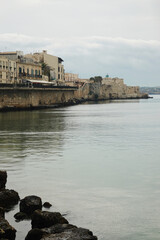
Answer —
24 98
69 103
45 225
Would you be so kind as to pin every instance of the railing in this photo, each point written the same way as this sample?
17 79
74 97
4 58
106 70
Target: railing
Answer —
29 75
33 85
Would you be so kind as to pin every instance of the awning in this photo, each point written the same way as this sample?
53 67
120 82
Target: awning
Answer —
39 81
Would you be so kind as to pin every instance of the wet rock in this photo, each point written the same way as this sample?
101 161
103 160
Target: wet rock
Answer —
3 179
34 234
6 230
2 213
60 232
8 198
58 228
42 219
71 234
30 203
20 216
47 205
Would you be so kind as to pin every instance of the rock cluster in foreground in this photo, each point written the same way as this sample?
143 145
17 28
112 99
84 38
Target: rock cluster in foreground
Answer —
8 198
45 225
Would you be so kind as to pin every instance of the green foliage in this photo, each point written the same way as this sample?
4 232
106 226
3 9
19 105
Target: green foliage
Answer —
45 69
96 78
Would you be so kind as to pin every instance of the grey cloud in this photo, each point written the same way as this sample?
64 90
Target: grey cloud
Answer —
65 18
137 61
22 42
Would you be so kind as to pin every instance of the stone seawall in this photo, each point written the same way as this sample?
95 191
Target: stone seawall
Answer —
30 98
18 98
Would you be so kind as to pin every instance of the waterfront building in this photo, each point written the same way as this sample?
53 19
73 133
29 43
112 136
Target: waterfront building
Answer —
8 70
71 77
116 80
27 69
53 63
15 68
12 55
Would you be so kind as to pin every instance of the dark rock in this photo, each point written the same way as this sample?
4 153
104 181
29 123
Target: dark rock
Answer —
71 234
6 230
3 179
34 234
42 219
8 198
30 203
20 216
2 213
60 232
47 205
58 228
145 96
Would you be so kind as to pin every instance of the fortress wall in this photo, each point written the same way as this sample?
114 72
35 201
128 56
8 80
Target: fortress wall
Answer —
17 98
111 89
30 98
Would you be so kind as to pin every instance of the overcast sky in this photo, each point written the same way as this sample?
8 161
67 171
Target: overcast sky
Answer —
94 37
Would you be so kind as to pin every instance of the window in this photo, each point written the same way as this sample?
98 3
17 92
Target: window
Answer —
36 73
20 70
27 71
32 72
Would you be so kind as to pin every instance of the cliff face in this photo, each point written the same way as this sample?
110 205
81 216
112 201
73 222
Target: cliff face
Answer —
108 89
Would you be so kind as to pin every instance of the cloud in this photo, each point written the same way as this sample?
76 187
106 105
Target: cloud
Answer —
135 60
14 41
38 2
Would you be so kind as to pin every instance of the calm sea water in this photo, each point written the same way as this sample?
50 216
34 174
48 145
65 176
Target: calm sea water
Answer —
97 163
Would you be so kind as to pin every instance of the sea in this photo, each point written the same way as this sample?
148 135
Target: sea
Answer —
97 163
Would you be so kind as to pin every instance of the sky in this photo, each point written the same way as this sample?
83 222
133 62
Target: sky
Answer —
93 37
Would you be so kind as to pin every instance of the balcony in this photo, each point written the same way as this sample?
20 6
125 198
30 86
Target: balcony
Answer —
29 76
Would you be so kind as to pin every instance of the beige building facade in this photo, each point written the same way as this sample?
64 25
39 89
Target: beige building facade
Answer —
28 71
71 77
12 55
14 68
108 81
54 63
8 70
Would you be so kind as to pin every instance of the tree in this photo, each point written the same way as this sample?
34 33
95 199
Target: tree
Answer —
96 78
45 69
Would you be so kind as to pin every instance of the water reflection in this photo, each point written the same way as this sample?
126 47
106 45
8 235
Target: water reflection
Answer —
26 132
99 162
